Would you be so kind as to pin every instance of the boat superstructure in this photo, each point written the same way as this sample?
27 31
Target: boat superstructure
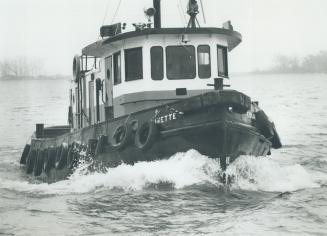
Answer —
146 94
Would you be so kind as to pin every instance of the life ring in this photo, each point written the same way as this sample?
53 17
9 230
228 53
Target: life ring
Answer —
122 136
76 67
25 154
39 163
31 161
146 135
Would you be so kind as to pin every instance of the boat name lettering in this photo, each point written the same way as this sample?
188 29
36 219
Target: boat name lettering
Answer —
166 115
166 118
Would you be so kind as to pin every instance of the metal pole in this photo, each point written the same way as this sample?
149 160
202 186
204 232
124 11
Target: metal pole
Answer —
157 15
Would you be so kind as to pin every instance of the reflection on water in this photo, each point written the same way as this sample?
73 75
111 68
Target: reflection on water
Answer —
283 194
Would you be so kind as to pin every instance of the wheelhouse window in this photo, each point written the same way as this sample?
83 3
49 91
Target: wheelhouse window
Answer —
204 62
133 64
222 61
180 62
117 68
156 63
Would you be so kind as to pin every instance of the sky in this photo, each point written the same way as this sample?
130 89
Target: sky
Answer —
53 31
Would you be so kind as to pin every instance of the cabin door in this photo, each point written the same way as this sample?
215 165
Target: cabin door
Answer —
108 90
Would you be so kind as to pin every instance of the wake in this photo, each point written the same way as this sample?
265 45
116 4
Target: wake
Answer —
179 171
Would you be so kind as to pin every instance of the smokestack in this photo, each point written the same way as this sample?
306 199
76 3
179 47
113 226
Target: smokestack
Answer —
157 15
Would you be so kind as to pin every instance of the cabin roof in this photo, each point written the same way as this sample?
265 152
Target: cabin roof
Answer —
95 49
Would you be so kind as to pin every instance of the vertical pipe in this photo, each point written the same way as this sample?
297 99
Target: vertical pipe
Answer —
97 95
157 15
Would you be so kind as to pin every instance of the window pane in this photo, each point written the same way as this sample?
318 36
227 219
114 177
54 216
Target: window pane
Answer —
117 68
180 62
222 61
133 64
157 63
204 64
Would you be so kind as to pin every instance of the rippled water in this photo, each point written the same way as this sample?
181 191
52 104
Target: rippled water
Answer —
285 194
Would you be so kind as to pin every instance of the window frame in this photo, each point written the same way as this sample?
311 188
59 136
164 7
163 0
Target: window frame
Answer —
225 61
194 58
115 80
198 64
126 51
162 74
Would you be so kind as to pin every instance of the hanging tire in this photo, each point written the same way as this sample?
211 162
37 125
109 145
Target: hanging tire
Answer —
146 135
31 161
263 124
122 137
275 140
50 161
39 163
25 154
46 158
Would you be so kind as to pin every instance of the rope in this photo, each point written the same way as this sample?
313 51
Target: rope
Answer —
106 12
180 10
113 18
105 16
203 13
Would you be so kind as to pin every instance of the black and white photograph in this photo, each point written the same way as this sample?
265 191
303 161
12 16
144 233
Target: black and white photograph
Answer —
163 117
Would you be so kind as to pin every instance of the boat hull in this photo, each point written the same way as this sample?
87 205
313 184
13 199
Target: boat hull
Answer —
217 124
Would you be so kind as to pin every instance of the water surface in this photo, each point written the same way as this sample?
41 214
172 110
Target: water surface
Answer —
284 194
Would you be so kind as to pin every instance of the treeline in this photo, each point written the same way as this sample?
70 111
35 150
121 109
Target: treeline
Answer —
309 64
20 67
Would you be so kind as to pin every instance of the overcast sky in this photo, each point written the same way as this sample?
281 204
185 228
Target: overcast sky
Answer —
53 31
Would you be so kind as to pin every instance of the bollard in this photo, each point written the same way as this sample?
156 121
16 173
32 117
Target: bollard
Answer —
39 133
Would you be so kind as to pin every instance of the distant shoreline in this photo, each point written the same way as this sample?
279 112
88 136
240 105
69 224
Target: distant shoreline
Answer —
276 73
40 77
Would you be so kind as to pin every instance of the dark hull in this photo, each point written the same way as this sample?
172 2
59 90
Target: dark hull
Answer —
217 124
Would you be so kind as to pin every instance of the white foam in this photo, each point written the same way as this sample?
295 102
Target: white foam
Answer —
181 170
265 174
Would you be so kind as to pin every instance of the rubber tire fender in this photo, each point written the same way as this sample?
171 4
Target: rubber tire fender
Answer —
62 159
31 161
25 154
125 133
39 163
263 124
50 160
146 135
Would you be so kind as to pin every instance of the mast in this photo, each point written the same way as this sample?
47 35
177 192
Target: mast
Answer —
157 15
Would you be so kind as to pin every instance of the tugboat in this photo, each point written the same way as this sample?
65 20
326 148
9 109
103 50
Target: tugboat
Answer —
149 93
